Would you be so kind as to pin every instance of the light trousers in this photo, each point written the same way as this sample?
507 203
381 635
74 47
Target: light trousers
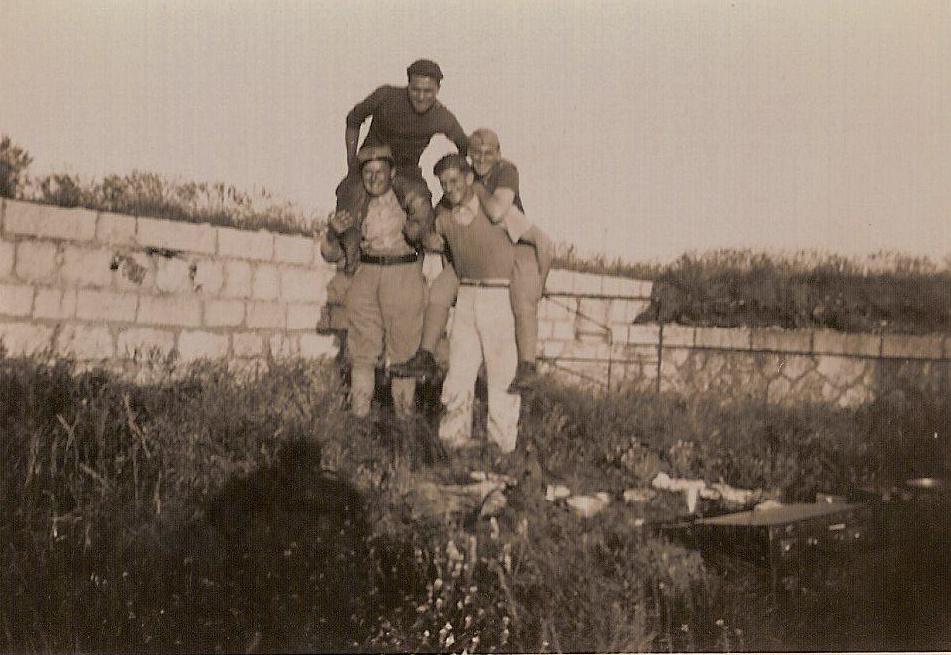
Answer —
524 294
384 317
483 329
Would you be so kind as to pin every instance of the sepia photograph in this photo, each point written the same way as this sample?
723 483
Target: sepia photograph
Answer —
522 326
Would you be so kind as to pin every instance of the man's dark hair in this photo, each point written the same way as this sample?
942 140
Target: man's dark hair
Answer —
426 68
453 160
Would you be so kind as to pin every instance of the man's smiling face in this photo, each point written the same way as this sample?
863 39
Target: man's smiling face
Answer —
455 185
422 92
484 157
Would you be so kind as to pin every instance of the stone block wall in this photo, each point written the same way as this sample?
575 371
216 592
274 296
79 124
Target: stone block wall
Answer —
118 290
109 288
772 364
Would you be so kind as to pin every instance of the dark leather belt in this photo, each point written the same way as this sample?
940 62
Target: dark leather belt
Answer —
387 260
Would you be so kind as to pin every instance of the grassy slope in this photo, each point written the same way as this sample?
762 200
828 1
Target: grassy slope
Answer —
195 515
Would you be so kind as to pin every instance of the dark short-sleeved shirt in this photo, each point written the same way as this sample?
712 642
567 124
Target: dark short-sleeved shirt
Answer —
396 124
505 175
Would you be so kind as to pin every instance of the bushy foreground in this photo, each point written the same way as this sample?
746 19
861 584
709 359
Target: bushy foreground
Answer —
223 512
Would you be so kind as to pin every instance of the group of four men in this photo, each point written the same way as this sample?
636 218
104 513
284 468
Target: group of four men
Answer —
498 261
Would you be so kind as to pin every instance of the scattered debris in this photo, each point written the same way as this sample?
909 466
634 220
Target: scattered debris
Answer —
639 495
588 506
694 489
556 492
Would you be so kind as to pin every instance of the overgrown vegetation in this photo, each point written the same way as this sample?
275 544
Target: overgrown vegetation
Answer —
221 512
887 291
142 193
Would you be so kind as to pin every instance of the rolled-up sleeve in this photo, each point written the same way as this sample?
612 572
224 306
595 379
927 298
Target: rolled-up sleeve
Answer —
362 110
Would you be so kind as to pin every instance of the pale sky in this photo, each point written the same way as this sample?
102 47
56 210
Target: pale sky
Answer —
641 129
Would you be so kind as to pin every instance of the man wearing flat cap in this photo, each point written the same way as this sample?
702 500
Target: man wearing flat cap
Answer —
384 303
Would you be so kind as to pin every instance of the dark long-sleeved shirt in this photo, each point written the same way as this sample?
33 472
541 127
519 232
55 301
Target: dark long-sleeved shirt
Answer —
396 124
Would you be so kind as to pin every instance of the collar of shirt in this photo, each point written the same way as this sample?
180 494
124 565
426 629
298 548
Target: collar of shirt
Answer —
466 212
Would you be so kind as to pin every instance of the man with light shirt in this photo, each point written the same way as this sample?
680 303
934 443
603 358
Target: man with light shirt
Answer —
384 303
497 188
483 328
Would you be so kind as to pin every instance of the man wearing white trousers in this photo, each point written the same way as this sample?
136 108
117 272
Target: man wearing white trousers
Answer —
483 326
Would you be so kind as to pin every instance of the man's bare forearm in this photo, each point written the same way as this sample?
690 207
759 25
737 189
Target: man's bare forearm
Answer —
497 204
351 137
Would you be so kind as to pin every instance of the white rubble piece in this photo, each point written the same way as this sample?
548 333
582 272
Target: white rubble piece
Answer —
588 506
699 488
556 492
636 495
482 476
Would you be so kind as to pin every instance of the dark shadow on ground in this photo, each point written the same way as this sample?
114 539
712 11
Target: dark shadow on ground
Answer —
282 560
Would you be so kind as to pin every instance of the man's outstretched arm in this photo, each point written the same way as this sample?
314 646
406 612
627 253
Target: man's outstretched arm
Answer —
497 204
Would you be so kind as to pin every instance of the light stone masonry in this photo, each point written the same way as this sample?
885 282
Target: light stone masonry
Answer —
281 346
269 315
169 310
115 229
7 251
317 345
95 305
302 285
84 341
144 342
176 235
643 334
833 342
563 331
678 335
927 346
198 344
619 332
265 284
53 303
36 261
303 316
25 338
224 313
237 279
729 338
293 249
559 281
587 283
172 275
245 244
247 344
544 329
209 277
27 218
782 340
86 267
16 299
